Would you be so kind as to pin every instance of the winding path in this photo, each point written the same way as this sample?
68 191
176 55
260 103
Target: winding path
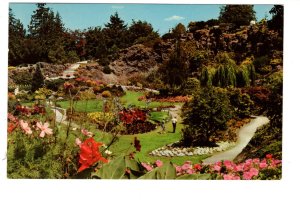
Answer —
244 136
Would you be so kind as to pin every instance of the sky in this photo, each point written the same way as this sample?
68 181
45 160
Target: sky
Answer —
163 17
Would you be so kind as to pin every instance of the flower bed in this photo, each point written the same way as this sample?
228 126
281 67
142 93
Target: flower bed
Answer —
169 151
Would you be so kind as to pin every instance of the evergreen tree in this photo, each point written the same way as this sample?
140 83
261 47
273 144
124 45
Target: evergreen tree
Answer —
276 23
237 14
16 40
46 30
116 33
37 79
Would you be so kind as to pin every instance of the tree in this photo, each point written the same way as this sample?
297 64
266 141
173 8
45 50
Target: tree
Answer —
46 30
141 32
116 32
178 31
16 40
96 46
176 67
276 23
37 79
237 14
208 112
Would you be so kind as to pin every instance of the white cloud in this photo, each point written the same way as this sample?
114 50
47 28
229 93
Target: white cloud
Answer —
174 17
117 7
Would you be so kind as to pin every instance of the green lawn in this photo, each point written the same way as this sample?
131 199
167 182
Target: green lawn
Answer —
159 116
149 142
94 105
131 98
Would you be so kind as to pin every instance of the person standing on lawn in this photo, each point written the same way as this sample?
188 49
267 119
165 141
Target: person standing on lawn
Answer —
163 128
174 121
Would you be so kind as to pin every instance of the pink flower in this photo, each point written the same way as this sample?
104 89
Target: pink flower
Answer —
159 163
147 167
11 117
44 128
231 177
217 168
254 171
239 167
78 142
256 160
263 165
25 127
247 175
190 171
186 166
228 164
178 169
86 132
248 161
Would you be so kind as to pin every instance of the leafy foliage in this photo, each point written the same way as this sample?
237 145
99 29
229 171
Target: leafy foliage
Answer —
208 112
237 14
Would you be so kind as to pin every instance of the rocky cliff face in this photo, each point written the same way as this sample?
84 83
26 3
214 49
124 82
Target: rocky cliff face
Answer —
136 58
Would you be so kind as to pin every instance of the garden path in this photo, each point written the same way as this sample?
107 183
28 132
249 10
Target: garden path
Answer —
244 136
62 117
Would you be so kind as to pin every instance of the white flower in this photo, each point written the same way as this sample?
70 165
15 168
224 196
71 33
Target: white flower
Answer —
107 152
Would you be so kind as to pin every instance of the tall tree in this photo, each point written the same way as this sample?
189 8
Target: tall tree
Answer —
16 40
276 23
237 14
116 33
96 44
46 29
141 31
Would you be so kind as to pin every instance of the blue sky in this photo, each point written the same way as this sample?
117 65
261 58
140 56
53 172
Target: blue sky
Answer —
162 16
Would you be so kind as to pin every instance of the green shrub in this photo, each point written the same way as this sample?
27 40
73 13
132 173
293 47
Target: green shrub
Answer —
208 112
191 86
106 94
107 70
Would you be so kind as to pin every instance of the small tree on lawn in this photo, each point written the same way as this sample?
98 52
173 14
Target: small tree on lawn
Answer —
37 79
208 112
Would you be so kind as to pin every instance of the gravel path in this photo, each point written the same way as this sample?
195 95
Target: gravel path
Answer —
245 134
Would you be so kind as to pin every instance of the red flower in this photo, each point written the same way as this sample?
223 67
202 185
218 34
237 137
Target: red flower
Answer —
197 167
137 144
68 85
89 154
11 127
269 156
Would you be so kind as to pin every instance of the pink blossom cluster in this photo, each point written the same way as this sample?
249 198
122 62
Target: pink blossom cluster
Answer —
227 170
42 128
150 167
188 168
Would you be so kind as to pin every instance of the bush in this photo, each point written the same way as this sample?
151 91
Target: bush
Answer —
106 94
191 86
54 84
208 112
107 70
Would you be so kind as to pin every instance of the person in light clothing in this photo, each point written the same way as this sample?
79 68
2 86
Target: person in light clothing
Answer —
174 121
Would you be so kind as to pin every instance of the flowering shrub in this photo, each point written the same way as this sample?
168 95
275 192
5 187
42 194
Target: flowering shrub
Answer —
133 115
251 169
27 111
173 99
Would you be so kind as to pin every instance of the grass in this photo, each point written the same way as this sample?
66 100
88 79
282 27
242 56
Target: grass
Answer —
131 98
159 116
94 105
